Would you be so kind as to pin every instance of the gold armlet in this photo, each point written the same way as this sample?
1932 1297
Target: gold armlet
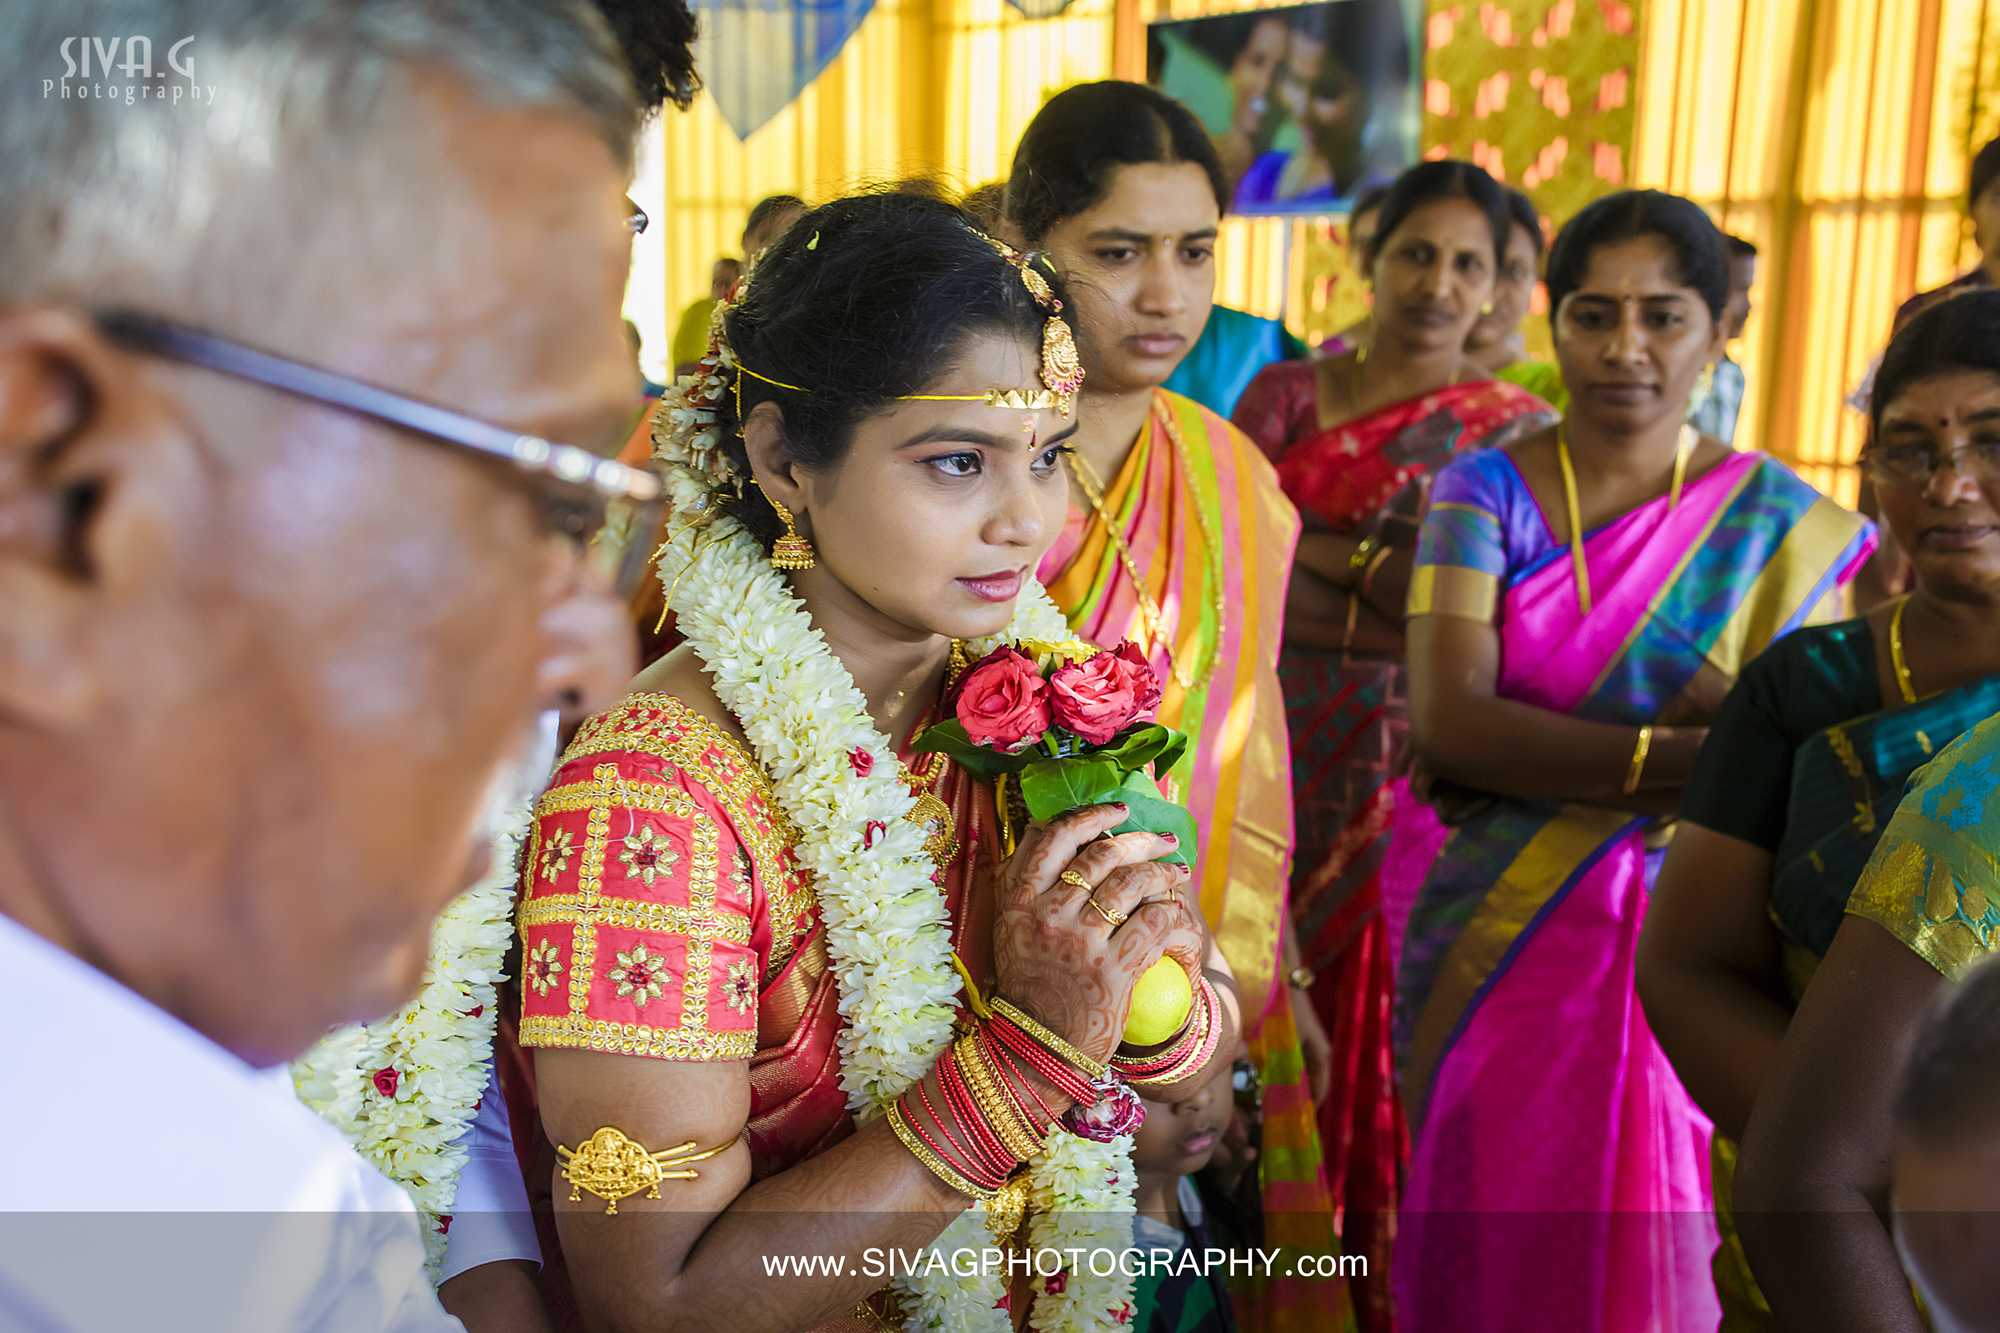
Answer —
613 1167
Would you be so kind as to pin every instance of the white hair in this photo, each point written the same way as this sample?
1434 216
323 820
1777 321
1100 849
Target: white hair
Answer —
226 134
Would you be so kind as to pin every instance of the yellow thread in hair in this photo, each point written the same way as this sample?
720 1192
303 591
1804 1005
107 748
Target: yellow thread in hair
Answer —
743 369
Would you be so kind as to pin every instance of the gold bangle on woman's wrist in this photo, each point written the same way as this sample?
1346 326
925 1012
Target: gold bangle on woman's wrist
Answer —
1640 750
1381 558
1357 563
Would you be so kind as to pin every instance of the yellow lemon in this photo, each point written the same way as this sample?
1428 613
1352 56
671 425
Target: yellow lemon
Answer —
1161 1003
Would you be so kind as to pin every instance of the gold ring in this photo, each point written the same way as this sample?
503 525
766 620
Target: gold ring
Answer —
1075 880
1114 917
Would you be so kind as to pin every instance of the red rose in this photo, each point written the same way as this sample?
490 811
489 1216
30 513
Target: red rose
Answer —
1056 1283
1123 1314
444 1224
386 1080
873 833
1003 702
861 761
1149 698
1100 696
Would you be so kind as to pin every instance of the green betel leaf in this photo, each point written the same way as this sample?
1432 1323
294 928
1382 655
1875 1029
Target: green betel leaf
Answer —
1149 744
1052 786
1153 814
1136 748
950 740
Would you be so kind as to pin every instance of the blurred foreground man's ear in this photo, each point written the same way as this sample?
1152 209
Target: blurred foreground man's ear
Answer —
87 489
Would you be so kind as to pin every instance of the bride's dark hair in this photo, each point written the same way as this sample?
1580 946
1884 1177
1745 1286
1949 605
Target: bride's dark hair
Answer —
862 301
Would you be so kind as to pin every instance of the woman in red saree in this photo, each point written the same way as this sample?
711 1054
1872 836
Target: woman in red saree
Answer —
757 933
1356 439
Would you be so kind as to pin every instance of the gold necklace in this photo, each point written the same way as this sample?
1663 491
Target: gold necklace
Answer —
930 813
1361 350
1896 658
1149 610
1683 450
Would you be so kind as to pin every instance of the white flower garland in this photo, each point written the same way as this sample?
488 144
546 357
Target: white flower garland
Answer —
887 929
404 1089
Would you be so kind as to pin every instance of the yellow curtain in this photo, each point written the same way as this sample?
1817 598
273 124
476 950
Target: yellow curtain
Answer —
1834 134
939 88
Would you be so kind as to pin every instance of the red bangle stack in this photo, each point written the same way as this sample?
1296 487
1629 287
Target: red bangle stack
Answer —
1187 1055
1070 1070
988 1116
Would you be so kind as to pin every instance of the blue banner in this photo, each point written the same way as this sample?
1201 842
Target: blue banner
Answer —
755 56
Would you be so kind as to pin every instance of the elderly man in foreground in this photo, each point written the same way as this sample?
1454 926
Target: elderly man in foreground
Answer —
275 622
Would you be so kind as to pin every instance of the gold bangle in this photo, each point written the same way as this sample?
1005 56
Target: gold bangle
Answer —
1357 561
1185 1054
1302 977
1639 753
1093 1068
1353 618
936 1165
1374 567
1000 1110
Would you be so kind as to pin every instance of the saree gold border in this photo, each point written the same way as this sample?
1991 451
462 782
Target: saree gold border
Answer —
1453 590
1781 587
1460 506
1540 868
1674 576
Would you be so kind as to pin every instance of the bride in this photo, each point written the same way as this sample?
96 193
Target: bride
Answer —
787 988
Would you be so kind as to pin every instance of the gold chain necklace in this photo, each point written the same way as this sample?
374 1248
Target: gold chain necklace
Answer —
1896 658
1149 610
1683 450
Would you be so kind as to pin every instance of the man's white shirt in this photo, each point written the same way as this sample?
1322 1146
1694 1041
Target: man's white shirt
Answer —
153 1180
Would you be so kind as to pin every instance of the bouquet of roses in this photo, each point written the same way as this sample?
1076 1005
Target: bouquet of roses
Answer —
1068 722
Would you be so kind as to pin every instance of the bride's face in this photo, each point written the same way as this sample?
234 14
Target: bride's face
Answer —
940 511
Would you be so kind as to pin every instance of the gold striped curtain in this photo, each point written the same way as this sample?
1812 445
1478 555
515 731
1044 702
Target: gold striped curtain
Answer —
940 88
1834 134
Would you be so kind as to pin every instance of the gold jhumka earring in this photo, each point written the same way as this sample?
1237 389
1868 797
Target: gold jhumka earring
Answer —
791 551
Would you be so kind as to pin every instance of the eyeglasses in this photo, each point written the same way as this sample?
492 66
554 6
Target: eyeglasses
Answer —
590 500
1917 464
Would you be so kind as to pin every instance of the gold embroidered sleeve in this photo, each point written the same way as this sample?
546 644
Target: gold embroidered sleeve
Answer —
648 918
1933 881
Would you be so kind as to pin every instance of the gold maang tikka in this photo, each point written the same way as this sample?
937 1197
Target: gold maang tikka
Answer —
1062 364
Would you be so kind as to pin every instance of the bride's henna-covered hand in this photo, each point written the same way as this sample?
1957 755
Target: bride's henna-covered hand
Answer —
1056 956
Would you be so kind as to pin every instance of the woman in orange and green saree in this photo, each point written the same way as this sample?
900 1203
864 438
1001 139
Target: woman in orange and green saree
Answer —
1180 539
1356 439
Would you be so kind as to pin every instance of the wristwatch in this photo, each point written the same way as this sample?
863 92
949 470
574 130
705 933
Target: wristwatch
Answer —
1302 978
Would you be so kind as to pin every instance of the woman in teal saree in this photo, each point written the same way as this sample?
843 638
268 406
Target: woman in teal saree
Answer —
1801 772
1804 1072
1582 600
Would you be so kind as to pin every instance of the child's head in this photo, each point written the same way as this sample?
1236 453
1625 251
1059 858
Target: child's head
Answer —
1178 1138
1946 1189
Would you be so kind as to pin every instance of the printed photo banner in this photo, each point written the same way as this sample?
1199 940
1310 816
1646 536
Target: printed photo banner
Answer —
757 55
